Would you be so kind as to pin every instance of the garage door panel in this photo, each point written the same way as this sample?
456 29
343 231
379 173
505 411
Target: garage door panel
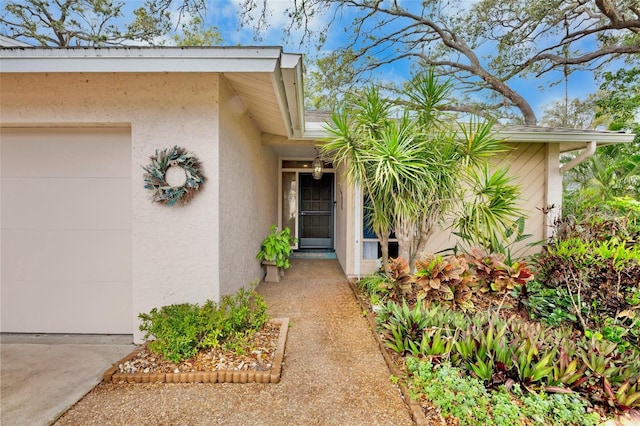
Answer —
70 203
68 306
66 153
64 255
66 217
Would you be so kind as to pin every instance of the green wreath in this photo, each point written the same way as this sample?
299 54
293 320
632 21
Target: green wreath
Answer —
155 176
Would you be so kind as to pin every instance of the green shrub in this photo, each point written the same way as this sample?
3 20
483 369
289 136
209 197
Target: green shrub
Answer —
589 276
181 330
498 351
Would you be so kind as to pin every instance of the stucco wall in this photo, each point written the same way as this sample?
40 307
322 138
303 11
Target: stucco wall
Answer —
175 249
248 193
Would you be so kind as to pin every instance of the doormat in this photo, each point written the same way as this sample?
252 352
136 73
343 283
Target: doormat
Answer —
313 255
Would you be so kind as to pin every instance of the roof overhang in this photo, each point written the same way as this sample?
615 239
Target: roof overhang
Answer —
284 70
568 139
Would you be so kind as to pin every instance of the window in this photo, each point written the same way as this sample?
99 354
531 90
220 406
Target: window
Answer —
371 248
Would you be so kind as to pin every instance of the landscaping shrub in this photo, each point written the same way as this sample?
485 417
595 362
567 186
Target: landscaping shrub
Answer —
449 279
589 275
584 352
497 351
181 330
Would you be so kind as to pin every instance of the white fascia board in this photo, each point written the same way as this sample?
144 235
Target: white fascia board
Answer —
561 137
287 84
10 42
140 59
293 86
316 130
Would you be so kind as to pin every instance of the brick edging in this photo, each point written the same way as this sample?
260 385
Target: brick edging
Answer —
414 407
219 376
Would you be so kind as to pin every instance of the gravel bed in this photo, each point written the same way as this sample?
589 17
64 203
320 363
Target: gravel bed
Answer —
259 355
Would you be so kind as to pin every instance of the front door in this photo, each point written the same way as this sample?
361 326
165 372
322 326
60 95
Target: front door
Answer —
316 212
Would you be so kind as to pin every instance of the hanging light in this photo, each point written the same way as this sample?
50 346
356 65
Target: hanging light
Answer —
317 167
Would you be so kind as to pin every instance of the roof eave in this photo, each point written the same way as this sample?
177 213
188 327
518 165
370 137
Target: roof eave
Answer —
285 69
140 59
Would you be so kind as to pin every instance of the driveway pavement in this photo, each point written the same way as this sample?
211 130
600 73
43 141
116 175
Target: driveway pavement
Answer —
32 392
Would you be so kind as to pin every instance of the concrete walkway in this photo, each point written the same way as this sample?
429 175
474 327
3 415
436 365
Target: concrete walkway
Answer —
41 376
333 373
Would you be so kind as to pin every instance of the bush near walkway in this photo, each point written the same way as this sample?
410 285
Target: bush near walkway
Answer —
566 339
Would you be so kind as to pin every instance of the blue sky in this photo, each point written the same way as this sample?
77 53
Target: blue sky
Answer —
224 14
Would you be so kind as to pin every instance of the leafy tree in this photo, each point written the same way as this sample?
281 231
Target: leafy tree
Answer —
575 114
485 46
194 33
621 99
414 166
614 171
327 80
66 23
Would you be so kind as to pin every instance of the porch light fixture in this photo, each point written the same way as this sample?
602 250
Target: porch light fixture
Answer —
317 167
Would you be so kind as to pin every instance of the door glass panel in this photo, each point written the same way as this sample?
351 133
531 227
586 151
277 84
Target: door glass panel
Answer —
316 211
289 201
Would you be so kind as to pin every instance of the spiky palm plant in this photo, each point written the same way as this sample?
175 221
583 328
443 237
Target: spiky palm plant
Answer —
412 162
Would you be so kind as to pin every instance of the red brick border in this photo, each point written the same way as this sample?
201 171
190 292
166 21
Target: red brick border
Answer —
219 376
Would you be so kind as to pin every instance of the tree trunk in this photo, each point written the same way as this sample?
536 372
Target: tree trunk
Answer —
426 231
404 235
384 247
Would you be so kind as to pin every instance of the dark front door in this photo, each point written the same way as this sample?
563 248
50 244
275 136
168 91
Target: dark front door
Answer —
316 212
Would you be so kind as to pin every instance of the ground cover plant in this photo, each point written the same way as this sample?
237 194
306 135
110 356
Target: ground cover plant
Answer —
550 340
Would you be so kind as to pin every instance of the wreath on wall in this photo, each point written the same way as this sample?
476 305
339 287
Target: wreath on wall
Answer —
155 177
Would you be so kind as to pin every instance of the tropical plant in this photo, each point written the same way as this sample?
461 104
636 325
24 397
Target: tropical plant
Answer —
399 274
500 351
414 165
590 269
495 273
276 247
445 279
403 326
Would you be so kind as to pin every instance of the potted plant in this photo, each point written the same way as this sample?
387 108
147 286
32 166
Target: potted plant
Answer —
275 251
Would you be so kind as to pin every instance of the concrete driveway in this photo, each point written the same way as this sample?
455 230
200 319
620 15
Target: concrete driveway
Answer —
41 375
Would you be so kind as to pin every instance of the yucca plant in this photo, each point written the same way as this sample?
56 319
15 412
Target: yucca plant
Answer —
412 164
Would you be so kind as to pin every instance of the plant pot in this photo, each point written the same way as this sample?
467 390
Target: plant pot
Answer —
273 272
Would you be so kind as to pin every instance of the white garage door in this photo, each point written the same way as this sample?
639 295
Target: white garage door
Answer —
66 230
